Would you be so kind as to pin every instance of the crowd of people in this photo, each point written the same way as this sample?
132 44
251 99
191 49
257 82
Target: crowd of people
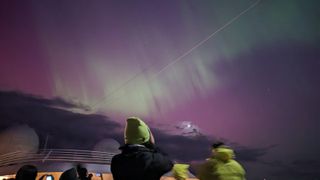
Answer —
141 159
30 172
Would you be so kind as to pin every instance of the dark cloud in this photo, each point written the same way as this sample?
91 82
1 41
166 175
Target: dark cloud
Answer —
305 169
64 129
67 129
308 163
10 98
194 148
251 154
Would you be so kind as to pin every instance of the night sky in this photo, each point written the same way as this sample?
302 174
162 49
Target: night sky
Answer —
255 83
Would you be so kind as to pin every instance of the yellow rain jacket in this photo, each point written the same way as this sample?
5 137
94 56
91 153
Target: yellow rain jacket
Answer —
180 171
221 167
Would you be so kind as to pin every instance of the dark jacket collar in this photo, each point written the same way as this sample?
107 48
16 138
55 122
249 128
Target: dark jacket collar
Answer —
133 148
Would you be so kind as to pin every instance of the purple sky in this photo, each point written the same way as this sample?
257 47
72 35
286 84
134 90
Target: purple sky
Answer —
255 83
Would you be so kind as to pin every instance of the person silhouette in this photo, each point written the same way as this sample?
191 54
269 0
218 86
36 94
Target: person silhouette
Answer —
140 159
27 172
83 173
221 165
70 174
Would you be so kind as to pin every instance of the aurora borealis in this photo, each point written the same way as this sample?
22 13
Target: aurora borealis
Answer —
255 83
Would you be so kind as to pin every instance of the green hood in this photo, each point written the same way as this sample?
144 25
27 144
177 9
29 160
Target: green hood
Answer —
180 171
224 154
221 166
136 131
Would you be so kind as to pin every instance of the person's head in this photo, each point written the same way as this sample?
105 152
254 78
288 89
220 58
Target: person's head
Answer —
27 172
221 151
180 171
137 132
82 172
216 145
70 174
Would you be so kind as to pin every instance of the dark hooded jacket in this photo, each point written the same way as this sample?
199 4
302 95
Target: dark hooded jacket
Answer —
137 162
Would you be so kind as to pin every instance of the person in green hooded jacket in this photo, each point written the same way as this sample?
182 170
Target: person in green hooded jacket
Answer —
180 171
139 159
221 165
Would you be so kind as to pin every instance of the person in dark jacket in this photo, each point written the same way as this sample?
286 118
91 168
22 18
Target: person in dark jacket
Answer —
83 173
139 159
27 172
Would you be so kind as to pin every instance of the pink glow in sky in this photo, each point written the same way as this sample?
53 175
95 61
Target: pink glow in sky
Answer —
255 83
